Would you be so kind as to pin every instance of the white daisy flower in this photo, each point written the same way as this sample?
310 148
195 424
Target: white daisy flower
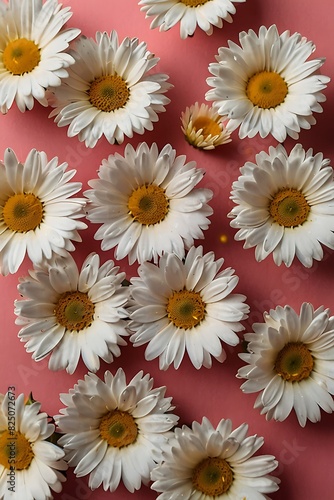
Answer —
37 214
268 85
186 306
32 45
189 13
203 127
73 314
214 463
290 363
115 430
147 203
30 465
284 205
113 90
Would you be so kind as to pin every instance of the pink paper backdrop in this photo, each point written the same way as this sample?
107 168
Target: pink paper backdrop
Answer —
304 454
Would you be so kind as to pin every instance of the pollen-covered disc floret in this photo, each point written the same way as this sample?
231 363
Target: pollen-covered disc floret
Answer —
186 306
114 430
120 92
30 465
38 215
203 127
147 203
73 314
204 14
284 205
268 84
33 53
289 362
214 463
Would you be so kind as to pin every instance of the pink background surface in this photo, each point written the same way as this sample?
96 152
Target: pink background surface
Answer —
304 454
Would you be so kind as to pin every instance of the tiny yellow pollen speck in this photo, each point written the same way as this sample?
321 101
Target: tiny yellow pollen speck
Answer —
223 238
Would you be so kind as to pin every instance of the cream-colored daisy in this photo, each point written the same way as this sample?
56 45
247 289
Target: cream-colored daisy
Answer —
38 214
71 314
203 127
186 307
290 363
113 90
33 55
115 431
204 462
30 465
147 203
267 85
205 14
284 205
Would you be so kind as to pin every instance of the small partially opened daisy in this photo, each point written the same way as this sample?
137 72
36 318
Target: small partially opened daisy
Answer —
71 314
33 53
186 307
205 14
38 215
204 462
147 203
115 431
203 127
268 85
113 90
284 205
30 465
290 363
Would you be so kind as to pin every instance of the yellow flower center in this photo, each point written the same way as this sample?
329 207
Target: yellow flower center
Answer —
194 3
21 56
22 212
289 207
212 476
108 93
266 89
185 309
148 204
294 362
15 450
74 311
118 428
208 126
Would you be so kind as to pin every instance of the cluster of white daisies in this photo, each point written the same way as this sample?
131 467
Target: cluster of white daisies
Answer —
104 87
150 210
147 203
117 431
113 430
